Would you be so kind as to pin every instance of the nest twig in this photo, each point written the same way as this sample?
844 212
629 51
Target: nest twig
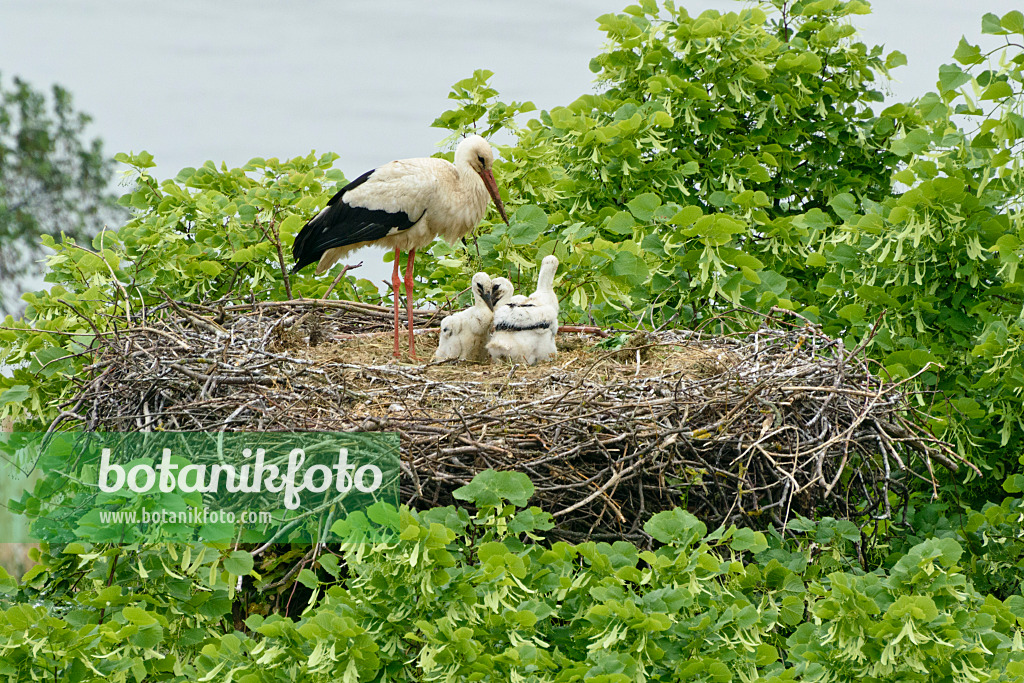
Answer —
749 428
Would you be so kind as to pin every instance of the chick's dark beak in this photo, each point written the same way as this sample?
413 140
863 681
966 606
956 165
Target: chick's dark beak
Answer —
486 295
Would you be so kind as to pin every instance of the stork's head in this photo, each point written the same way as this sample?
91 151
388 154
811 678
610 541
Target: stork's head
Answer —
476 153
482 290
501 292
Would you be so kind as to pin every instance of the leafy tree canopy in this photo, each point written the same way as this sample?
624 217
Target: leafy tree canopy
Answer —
741 160
738 160
449 595
52 180
726 160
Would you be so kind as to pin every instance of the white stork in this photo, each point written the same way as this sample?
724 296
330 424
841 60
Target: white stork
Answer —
403 205
501 292
464 334
524 329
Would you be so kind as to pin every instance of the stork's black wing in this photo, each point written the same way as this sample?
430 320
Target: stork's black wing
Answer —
342 223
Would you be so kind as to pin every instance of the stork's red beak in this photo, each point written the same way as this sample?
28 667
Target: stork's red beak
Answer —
492 189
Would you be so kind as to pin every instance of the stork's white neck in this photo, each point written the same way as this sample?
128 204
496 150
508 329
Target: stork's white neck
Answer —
546 277
478 300
467 201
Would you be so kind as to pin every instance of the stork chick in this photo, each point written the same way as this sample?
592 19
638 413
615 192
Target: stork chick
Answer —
502 293
464 334
524 329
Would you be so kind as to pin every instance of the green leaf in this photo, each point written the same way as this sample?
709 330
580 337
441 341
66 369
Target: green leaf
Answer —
852 312
138 616
621 223
716 229
185 174
643 206
211 268
689 168
687 216
756 72
491 487
239 563
952 77
765 655
630 267
1013 21
243 255
1014 483
292 224
816 260
844 204
308 579
967 53
527 224
914 142
330 564
662 119
951 551
915 607
792 610
676 527
18 393
748 539
997 91
147 637
991 24
895 59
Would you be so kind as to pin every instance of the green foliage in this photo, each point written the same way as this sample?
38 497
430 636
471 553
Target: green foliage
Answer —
992 537
703 170
127 613
212 235
446 597
477 99
52 180
726 159
737 160
940 259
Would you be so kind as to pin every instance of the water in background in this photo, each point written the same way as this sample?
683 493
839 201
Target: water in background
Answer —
195 80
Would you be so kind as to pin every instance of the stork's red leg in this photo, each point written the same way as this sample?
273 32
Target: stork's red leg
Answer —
394 289
409 301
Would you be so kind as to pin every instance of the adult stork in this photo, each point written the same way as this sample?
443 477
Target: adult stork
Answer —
403 206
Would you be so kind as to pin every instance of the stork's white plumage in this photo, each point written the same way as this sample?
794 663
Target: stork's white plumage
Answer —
501 292
403 206
464 334
524 330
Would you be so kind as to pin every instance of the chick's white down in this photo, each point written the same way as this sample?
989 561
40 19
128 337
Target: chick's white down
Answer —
502 292
464 334
524 329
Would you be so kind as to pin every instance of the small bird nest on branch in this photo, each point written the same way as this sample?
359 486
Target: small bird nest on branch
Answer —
748 428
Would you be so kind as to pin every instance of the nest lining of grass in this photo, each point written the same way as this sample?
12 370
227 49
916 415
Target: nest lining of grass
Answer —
748 428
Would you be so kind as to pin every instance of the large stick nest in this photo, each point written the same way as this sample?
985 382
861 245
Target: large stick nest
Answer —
750 428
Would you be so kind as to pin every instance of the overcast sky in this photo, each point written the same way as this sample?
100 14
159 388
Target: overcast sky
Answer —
229 80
